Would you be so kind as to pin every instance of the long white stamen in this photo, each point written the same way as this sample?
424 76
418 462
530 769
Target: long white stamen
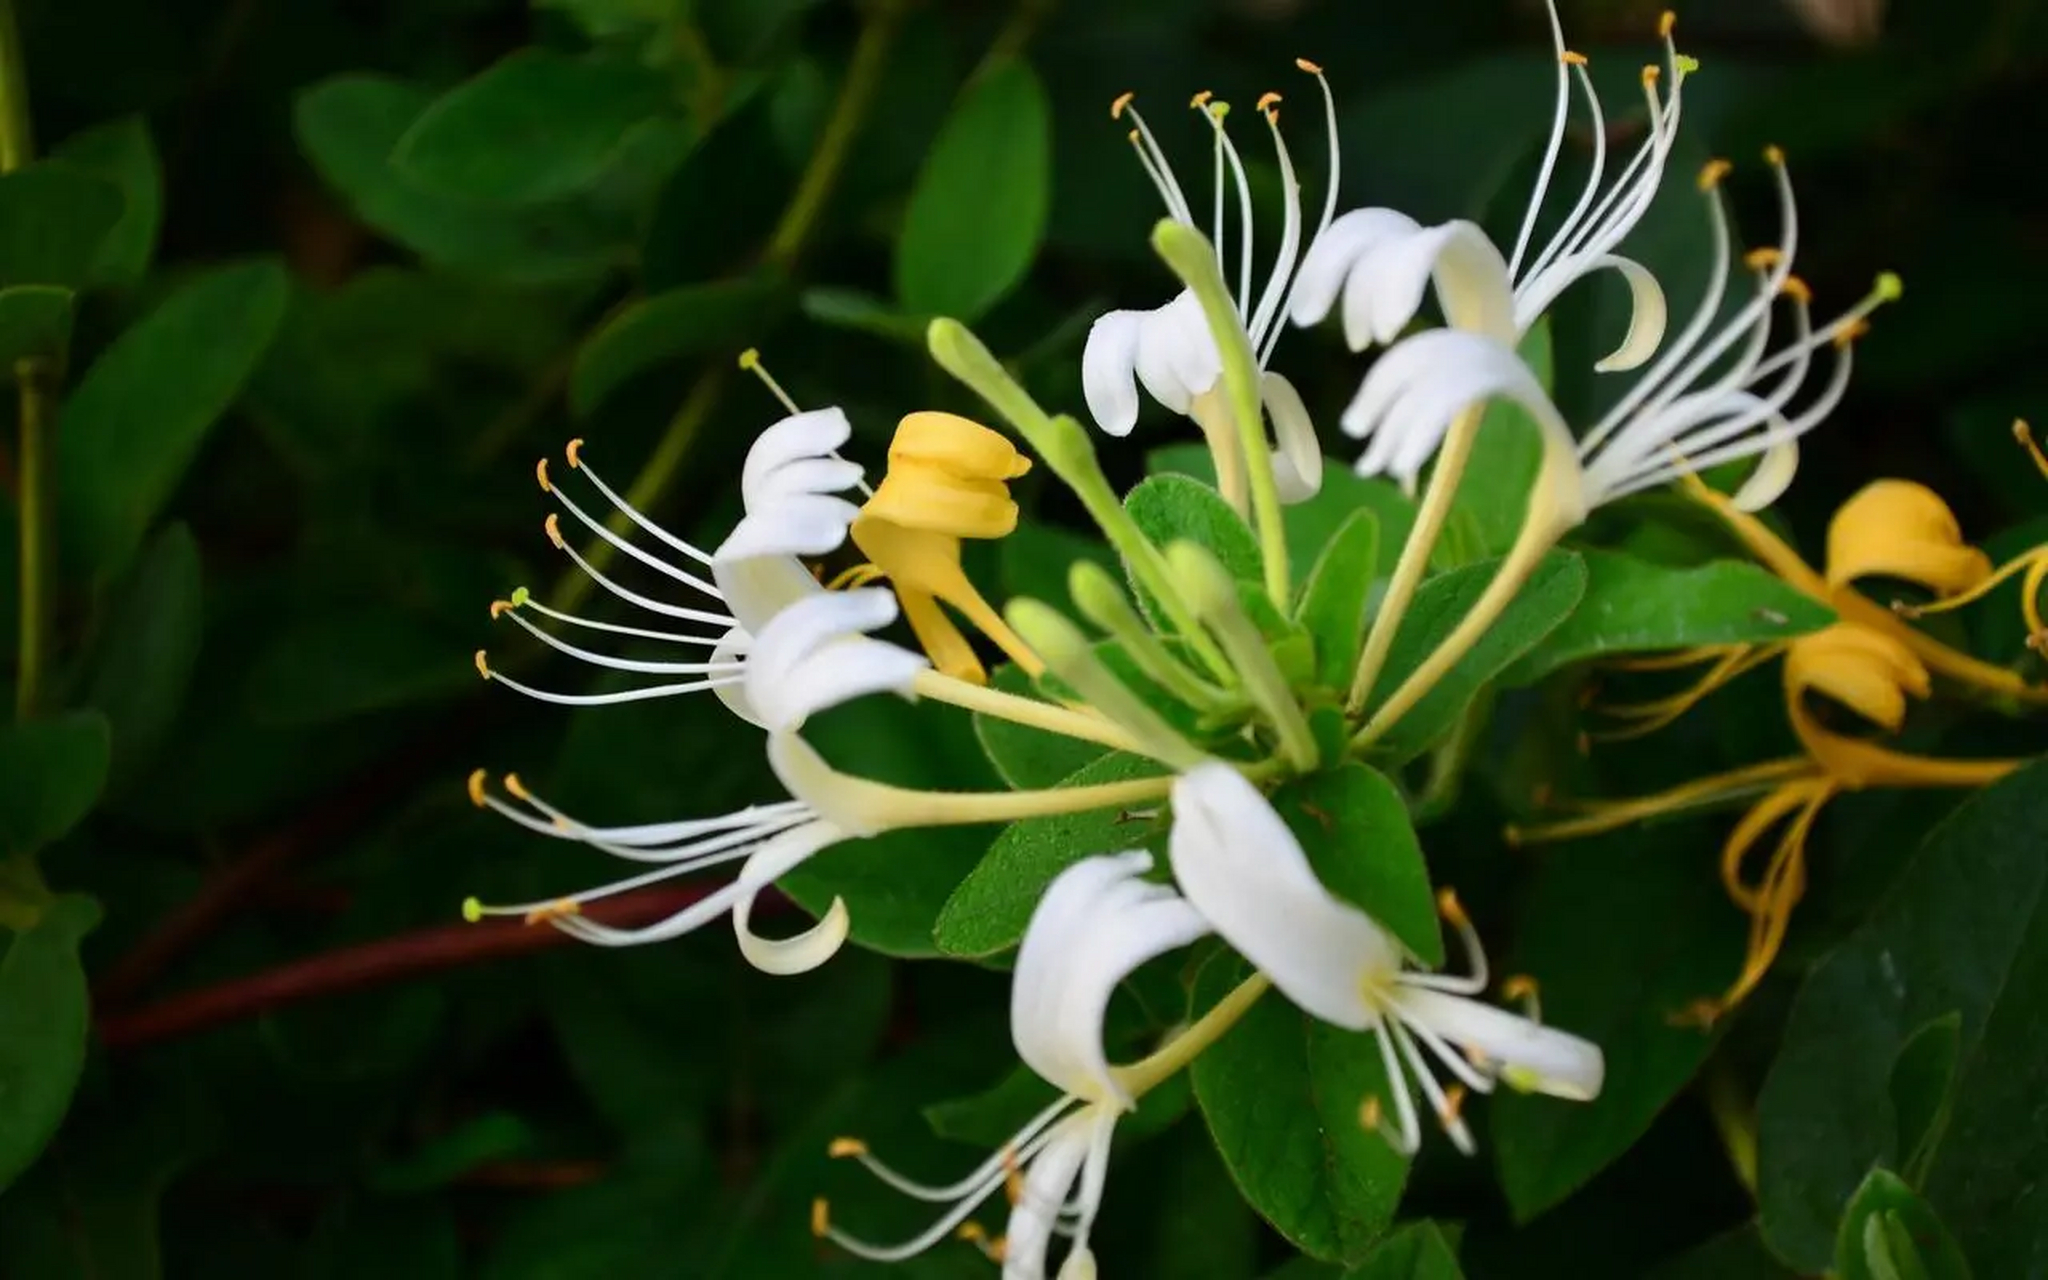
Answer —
1156 164
576 463
647 558
522 601
762 817
1555 252
1263 331
1479 1081
1559 115
648 603
971 1197
1001 1161
1409 1132
1433 1090
1216 111
609 699
640 666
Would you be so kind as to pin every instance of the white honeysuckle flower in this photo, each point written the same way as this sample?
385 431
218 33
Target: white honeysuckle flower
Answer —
1380 260
1715 393
1170 349
1098 921
814 654
1244 871
790 485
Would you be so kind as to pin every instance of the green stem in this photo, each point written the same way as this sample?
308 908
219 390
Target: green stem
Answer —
1142 1076
17 147
17 142
1408 570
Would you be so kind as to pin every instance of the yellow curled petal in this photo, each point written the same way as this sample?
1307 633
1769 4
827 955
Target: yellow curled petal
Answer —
1863 669
1900 529
958 446
919 495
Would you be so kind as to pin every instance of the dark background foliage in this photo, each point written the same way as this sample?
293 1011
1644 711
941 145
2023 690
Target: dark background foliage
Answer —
366 330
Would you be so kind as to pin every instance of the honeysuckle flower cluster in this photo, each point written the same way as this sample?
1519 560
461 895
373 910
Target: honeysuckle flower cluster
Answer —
1216 674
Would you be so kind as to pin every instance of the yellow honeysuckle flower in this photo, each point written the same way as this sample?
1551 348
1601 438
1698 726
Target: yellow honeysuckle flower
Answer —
948 479
1901 529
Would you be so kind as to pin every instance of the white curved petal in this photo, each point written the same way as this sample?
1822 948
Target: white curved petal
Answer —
801 524
1531 1056
756 588
813 655
1298 458
1047 1184
1647 314
813 434
1109 367
1385 288
803 477
1177 358
773 860
734 646
1242 869
1775 469
857 806
1410 396
1331 257
1096 923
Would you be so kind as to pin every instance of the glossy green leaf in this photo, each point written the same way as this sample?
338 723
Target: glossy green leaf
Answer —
1029 758
44 1019
55 219
1354 827
862 313
679 325
1414 1252
35 320
121 152
51 775
1171 508
1334 598
144 666
987 914
535 126
1889 1233
1939 943
1545 601
1620 938
1311 524
1633 605
142 410
977 212
1921 1084
1281 1094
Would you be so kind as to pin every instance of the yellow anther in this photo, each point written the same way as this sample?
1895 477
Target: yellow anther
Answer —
559 909
1013 1177
572 450
844 1148
501 606
1369 1113
1762 259
472 910
516 787
483 667
1453 911
1454 1104
476 787
1201 99
1774 155
540 473
1711 175
1269 105
1666 23
1651 74
1314 69
1134 137
1518 986
553 525
1850 332
1572 58
1123 100
1797 290
821 1218
2022 433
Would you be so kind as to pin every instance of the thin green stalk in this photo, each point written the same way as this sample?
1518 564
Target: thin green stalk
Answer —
1142 1076
31 377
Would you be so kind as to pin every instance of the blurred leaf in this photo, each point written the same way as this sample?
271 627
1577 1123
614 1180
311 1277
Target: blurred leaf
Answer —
695 320
1281 1094
977 213
536 126
144 666
139 415
365 1239
1029 758
863 313
89 1210
1334 597
1354 827
1440 604
987 914
690 238
1633 606
1733 1255
121 152
1921 1082
35 320
1484 115
45 1014
55 220
1414 1252
1038 558
320 668
610 1228
51 774
1619 939
495 1135
1888 1233
1963 930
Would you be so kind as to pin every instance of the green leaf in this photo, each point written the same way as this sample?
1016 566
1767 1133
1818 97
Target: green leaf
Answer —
859 312
494 1135
347 127
536 126
137 419
1619 937
1281 1094
35 320
1733 1255
1545 601
316 669
1172 508
1333 600
1888 1233
1311 524
1964 930
977 212
1028 758
1920 1089
1633 605
90 1209
1493 495
45 1014
121 152
145 664
1417 1251
1354 827
54 221
51 775
694 320
987 914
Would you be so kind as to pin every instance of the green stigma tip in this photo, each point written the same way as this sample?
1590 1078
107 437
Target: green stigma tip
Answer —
472 910
520 595
1889 286
1687 64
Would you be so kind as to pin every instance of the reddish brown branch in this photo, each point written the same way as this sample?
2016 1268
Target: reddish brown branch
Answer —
387 960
